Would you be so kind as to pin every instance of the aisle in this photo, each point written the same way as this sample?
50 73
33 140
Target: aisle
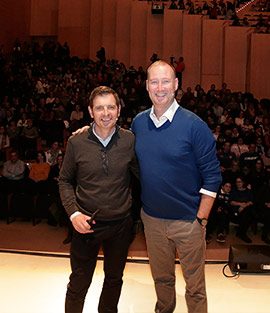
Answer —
37 284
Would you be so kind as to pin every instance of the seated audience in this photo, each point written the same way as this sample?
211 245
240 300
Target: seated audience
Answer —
4 143
230 174
38 175
260 145
22 122
219 216
239 121
28 140
13 133
266 157
12 179
264 208
76 118
57 213
64 83
46 122
248 158
241 208
257 178
225 156
247 129
52 153
239 147
13 170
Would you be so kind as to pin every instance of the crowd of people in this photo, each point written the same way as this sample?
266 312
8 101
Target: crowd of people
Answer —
45 92
228 10
212 9
240 124
261 6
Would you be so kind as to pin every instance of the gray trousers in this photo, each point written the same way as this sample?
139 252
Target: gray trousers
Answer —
162 238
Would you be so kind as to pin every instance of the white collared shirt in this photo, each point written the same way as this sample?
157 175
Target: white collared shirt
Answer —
168 116
104 142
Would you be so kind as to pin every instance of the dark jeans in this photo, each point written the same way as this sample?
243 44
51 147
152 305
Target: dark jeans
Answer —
222 221
115 237
8 186
218 220
34 188
244 219
264 217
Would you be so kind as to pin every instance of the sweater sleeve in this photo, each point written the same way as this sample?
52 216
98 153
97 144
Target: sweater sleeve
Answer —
204 148
67 181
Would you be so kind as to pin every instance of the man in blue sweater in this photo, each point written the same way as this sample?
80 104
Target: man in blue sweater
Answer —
180 176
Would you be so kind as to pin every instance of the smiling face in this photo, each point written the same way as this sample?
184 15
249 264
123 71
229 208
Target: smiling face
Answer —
161 85
227 187
40 157
239 183
55 145
105 113
60 159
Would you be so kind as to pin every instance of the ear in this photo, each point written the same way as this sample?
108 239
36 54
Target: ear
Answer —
90 111
119 110
176 83
147 85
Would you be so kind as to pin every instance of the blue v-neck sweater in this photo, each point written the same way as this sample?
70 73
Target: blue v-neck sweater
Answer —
176 161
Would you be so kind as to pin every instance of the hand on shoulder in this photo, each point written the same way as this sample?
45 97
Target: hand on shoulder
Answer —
80 130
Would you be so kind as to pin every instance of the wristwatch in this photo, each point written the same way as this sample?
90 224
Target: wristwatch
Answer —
202 221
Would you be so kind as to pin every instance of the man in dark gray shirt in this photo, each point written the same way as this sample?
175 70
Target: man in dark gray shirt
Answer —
95 177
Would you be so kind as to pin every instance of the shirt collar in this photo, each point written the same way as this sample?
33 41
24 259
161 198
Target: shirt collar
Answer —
104 142
168 115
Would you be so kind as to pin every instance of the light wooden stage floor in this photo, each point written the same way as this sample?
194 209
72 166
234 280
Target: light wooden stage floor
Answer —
37 284
22 236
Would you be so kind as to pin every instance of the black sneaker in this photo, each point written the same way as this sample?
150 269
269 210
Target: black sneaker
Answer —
266 240
221 238
67 240
245 238
208 239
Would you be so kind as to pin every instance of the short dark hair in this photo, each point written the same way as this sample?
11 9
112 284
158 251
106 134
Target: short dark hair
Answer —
225 182
13 151
54 141
102 91
240 177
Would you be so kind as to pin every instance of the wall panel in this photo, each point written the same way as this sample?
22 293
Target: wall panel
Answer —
73 26
138 33
172 34
212 52
260 66
122 40
44 18
95 27
109 28
154 35
15 22
77 39
191 50
236 57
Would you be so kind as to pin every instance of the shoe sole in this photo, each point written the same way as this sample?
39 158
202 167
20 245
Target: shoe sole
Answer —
221 241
